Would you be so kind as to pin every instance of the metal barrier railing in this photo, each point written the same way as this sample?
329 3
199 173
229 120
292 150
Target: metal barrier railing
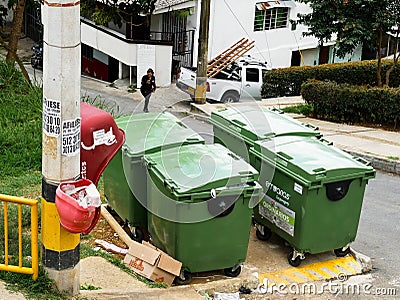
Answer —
34 269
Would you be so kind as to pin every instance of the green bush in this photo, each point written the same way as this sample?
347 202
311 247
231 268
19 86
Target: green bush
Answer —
20 122
288 81
353 104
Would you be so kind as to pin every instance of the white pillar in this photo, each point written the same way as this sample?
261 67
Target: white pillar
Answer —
120 72
60 146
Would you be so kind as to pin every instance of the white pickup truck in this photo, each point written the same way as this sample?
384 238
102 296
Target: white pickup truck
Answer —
238 82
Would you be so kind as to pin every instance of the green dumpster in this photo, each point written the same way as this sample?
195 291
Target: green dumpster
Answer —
199 209
239 127
313 193
125 177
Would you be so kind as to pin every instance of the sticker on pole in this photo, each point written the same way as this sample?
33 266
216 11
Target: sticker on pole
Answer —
71 137
51 117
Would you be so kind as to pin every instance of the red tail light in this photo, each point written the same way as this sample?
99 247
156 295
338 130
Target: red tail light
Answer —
207 87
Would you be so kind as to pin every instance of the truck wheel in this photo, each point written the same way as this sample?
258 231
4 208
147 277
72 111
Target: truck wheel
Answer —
230 97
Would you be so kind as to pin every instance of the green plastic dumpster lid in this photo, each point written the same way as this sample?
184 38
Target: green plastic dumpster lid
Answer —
197 168
146 133
258 122
312 161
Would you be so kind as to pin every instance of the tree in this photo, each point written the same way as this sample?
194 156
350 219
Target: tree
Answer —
134 12
18 18
394 9
351 22
12 46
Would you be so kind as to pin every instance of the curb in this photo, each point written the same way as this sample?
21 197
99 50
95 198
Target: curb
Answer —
380 163
363 260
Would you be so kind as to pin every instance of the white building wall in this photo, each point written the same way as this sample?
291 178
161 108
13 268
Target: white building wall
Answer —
127 52
232 20
163 67
156 23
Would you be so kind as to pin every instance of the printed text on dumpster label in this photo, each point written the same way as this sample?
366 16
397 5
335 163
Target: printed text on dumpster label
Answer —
51 117
283 217
280 194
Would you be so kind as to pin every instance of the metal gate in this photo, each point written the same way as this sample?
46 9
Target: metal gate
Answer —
14 206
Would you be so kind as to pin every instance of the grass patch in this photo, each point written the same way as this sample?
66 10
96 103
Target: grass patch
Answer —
303 109
101 103
89 287
20 123
393 157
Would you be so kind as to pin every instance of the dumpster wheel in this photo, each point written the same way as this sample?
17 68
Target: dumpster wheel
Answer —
234 271
184 278
263 233
295 258
341 252
135 233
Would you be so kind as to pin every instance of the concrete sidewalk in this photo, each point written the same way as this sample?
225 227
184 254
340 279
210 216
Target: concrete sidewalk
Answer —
380 147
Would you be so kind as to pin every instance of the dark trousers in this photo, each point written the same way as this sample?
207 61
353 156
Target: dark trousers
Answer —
146 102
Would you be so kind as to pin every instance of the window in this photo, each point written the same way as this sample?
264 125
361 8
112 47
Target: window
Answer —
252 75
87 51
270 15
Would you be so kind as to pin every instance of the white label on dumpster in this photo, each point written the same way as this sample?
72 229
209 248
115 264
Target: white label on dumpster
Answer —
283 217
298 188
71 137
51 117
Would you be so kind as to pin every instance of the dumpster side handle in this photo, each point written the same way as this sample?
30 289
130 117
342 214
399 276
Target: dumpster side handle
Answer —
237 122
362 160
311 126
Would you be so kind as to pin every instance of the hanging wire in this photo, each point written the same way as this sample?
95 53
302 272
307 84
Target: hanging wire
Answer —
248 35
298 48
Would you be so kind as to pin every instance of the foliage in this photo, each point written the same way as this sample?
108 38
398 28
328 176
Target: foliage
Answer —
20 122
288 81
89 287
351 23
182 14
303 109
353 104
42 288
101 103
130 11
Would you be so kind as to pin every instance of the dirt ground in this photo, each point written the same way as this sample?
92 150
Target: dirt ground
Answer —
103 231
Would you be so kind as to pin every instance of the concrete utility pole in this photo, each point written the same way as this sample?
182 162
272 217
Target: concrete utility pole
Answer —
202 60
60 146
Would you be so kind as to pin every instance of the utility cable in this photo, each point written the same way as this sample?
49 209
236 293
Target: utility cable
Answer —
244 29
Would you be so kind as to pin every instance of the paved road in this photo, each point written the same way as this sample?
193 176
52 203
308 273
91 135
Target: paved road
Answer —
379 228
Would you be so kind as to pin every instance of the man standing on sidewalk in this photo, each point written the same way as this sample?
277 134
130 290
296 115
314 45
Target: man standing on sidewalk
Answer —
148 86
